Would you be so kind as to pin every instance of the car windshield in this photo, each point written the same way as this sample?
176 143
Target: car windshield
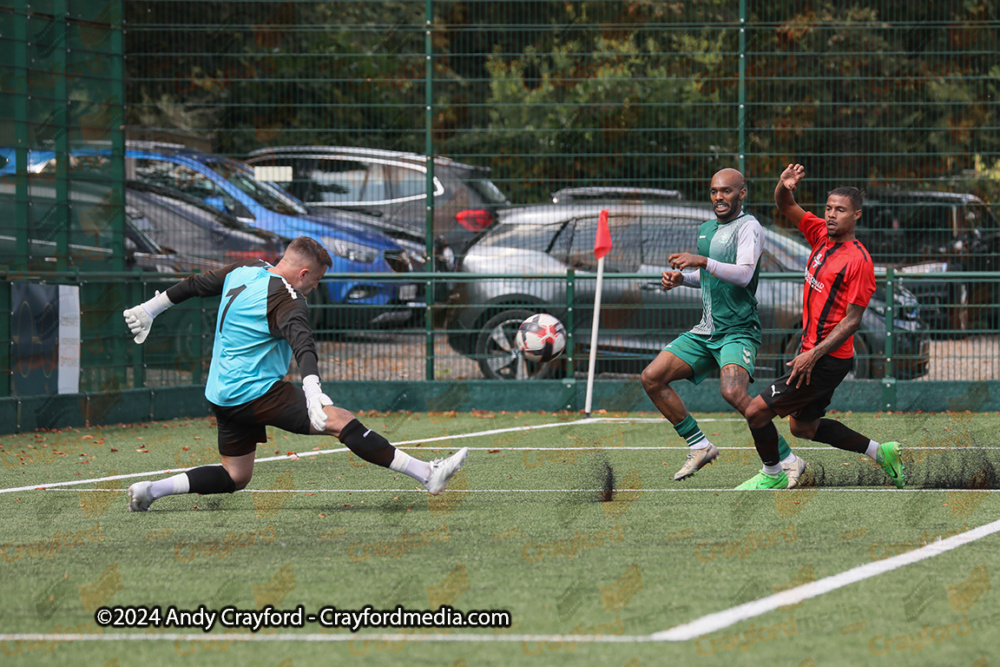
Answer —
525 237
264 194
979 216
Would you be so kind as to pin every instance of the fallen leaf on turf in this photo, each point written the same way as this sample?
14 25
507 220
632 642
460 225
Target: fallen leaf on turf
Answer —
493 451
322 515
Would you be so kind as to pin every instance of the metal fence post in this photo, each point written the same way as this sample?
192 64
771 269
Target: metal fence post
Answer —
429 187
742 113
570 380
889 381
570 320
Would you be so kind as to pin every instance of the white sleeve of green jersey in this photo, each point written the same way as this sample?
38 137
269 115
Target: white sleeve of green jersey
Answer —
691 278
748 250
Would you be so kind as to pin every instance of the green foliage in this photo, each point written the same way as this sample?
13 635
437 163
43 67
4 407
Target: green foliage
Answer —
572 93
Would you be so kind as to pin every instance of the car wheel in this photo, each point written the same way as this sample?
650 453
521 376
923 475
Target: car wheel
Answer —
497 353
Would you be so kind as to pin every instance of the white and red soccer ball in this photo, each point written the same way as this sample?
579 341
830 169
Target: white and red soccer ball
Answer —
541 338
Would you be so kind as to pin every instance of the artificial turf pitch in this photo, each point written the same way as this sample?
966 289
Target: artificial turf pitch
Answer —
577 529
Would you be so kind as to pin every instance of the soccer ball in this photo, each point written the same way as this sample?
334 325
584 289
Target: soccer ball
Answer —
541 338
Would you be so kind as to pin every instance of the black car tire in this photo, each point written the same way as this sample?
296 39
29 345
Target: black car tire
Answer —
497 355
862 359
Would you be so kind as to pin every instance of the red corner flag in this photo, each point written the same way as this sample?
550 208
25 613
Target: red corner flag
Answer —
602 242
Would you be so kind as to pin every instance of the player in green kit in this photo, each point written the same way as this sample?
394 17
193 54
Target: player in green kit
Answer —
728 335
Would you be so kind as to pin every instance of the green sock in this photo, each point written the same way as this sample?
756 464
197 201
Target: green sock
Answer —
688 429
784 451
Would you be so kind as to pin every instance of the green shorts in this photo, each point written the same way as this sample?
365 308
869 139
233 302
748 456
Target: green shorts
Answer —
705 354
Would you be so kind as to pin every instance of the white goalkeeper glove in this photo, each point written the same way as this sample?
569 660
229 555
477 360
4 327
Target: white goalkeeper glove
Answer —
315 400
140 318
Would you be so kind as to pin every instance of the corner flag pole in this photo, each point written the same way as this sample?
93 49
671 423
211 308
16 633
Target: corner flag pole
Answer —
602 246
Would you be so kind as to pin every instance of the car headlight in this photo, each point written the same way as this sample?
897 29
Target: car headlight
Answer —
355 252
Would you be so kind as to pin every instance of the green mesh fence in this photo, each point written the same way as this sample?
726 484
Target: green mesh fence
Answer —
453 156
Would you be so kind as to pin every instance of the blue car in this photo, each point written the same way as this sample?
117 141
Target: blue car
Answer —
231 186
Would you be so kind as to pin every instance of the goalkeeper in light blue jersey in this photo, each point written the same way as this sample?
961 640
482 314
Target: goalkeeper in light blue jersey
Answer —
263 321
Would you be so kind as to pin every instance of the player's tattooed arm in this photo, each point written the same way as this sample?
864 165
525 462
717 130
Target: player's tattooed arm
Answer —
802 365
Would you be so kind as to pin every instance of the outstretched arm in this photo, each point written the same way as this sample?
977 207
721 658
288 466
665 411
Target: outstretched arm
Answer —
783 197
139 319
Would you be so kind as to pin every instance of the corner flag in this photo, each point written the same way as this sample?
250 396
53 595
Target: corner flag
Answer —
602 246
602 242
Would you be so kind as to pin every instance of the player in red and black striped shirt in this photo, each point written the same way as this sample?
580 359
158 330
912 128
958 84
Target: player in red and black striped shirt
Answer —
839 282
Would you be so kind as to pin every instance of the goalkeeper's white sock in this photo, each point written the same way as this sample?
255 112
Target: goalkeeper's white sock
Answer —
157 304
408 465
171 486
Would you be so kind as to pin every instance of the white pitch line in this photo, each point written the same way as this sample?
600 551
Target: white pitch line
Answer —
723 619
286 457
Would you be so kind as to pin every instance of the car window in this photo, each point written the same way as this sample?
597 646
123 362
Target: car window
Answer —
268 196
182 177
626 245
405 182
179 176
347 182
786 250
662 237
486 189
899 231
525 237
979 216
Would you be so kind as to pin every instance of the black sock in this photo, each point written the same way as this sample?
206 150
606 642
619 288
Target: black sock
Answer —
765 439
210 479
367 444
834 433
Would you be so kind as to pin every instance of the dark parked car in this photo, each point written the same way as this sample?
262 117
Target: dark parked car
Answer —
89 234
638 317
390 187
938 231
189 226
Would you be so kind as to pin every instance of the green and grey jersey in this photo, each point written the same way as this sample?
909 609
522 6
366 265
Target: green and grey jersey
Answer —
729 296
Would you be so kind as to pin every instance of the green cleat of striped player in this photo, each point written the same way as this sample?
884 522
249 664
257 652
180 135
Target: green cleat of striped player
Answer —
892 463
764 481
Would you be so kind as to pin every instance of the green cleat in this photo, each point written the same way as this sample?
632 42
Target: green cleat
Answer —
892 463
764 481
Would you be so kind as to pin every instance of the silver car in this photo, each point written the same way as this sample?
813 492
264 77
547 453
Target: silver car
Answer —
637 316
